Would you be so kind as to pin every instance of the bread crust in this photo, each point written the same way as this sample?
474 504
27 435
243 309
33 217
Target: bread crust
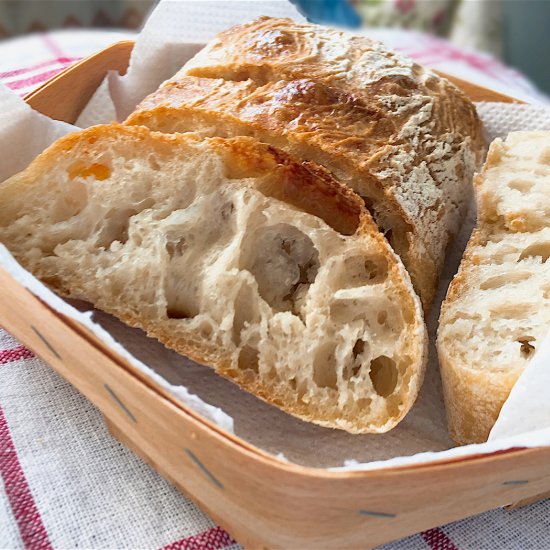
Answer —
243 158
405 139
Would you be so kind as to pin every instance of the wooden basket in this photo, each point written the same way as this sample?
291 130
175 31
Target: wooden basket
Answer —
262 501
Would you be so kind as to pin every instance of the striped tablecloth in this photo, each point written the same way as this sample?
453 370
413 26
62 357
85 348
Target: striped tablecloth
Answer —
66 483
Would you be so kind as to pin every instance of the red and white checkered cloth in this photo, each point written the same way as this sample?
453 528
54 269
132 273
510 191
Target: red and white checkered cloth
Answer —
66 483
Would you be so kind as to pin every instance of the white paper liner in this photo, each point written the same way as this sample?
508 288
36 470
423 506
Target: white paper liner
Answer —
173 33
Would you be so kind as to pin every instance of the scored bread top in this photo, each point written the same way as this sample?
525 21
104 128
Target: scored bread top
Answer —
497 309
403 138
208 245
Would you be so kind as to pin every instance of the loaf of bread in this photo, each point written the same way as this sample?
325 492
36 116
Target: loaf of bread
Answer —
497 309
234 254
406 140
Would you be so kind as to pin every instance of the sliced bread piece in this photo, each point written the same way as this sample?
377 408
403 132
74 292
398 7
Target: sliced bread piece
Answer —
497 309
230 252
402 137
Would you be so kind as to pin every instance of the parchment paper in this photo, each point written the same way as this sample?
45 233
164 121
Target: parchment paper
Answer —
174 32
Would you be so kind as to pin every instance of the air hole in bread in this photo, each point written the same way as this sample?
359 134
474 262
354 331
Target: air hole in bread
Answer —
408 315
347 311
249 359
246 312
284 262
545 156
538 249
227 210
178 313
526 348
523 186
81 169
361 272
389 319
324 367
358 348
357 353
182 292
116 222
70 203
176 247
115 227
272 373
383 374
513 310
206 330
501 280
376 270
363 403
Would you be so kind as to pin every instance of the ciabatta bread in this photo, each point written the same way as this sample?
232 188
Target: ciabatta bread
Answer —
403 138
234 254
497 309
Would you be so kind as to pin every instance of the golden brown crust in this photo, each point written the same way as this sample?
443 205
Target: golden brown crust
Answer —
473 398
344 102
459 284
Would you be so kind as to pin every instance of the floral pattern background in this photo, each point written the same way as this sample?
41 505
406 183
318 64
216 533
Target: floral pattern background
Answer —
474 24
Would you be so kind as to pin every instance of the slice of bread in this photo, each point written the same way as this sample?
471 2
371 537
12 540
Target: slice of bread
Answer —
402 137
232 253
497 309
